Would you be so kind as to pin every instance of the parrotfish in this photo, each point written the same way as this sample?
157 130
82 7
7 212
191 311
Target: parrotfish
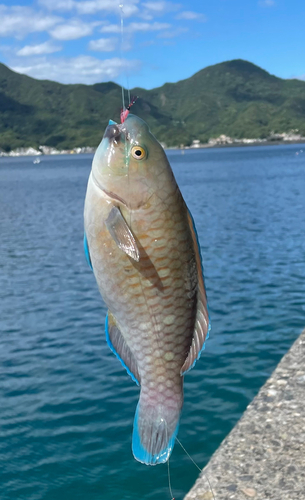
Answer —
141 243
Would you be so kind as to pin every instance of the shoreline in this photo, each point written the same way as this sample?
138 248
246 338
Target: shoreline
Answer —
239 145
267 143
263 456
38 154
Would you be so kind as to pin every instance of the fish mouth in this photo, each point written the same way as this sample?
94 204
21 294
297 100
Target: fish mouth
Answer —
113 131
117 132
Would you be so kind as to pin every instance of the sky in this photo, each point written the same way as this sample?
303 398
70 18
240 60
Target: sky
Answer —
143 43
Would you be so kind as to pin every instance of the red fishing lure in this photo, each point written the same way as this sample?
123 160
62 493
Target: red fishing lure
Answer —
125 112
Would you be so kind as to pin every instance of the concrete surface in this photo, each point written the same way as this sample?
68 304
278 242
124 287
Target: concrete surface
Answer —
263 457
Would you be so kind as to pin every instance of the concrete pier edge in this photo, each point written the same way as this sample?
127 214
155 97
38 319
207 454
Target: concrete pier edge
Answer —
263 457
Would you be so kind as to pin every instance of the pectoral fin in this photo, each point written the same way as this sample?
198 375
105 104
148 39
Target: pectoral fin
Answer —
119 347
122 235
202 324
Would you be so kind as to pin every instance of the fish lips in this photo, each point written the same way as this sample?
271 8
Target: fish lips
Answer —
112 131
117 132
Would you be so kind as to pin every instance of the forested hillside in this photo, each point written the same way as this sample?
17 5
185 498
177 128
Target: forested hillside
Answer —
235 98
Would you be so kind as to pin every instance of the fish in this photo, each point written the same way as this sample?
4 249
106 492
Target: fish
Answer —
141 242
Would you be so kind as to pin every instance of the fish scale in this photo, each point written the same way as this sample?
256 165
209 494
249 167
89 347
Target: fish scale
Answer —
133 283
154 290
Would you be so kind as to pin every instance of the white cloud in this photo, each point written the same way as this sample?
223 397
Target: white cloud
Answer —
160 7
130 9
134 27
155 6
42 48
91 6
103 44
150 10
19 21
191 16
266 3
72 30
81 69
111 28
63 5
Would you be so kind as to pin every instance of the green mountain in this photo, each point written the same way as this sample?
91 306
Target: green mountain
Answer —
235 98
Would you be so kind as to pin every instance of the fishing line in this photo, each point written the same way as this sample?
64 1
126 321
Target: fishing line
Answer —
196 466
121 6
169 481
168 470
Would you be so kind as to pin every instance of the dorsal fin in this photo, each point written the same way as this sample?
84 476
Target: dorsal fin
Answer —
202 324
119 347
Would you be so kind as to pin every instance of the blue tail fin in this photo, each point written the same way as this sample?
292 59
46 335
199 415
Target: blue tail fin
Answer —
158 439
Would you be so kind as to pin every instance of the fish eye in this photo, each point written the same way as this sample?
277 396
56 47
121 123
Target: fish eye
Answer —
138 152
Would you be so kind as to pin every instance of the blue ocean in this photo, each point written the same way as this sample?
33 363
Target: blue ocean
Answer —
66 404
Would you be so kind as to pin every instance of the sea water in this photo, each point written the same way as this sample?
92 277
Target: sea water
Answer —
66 404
